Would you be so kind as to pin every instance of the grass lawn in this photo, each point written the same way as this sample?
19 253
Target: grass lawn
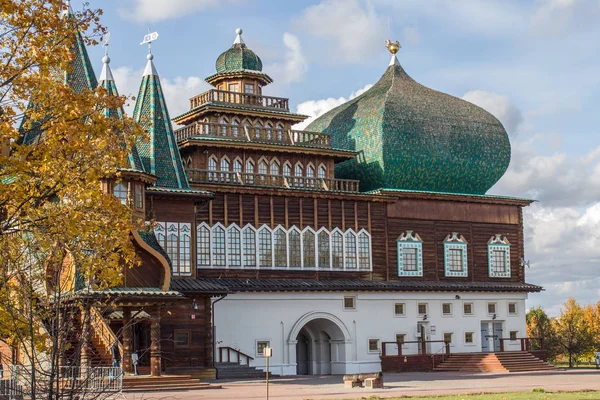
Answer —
584 395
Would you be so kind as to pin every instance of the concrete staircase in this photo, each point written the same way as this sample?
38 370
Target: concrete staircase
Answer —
510 361
167 383
233 370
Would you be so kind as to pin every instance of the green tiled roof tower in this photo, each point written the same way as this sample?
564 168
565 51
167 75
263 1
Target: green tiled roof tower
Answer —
107 81
160 154
411 137
238 58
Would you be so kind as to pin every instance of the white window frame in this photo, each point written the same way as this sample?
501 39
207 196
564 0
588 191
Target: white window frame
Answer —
369 346
473 342
501 244
261 355
180 230
451 313
455 242
353 308
516 308
472 309
409 241
403 315
426 309
495 308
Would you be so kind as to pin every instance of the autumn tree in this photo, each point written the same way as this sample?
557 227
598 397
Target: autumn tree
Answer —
58 229
573 333
539 325
591 314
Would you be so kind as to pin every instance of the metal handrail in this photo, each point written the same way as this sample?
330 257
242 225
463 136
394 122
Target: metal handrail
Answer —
106 334
235 351
247 99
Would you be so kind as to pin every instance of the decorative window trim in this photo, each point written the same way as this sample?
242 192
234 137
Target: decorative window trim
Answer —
409 241
498 243
451 242
181 254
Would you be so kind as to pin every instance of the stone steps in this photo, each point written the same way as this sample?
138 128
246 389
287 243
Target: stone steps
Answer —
494 362
164 383
229 370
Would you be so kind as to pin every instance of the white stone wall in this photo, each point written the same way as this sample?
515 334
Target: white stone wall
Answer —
243 319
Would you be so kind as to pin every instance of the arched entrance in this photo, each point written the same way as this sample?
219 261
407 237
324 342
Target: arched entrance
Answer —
320 345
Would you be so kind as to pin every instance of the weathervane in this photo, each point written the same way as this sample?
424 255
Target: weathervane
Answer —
392 47
105 40
149 38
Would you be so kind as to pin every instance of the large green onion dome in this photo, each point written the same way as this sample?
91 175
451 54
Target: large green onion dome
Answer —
238 58
411 137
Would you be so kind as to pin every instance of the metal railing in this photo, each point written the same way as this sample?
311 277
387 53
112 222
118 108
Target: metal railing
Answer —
419 351
92 379
247 99
11 387
247 133
526 343
245 178
239 356
101 328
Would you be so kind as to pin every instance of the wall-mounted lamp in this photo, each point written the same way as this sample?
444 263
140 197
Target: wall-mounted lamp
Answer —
457 297
494 316
425 317
195 305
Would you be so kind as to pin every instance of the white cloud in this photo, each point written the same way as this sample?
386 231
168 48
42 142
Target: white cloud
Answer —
294 64
357 31
552 17
316 108
177 91
159 10
498 105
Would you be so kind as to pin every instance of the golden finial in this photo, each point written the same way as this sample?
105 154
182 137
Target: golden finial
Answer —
393 47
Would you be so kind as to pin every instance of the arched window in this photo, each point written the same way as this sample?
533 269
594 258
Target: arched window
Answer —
235 129
224 124
237 170
249 246
298 175
212 166
185 245
171 245
280 247
120 192
203 245
257 130
364 251
265 247
337 249
351 262
246 128
322 172
225 175
250 171
234 245
268 131
218 246
279 132
308 248
295 248
274 167
310 176
324 256
287 169
262 170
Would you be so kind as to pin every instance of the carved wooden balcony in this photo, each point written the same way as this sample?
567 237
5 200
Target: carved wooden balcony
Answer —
248 133
239 99
251 179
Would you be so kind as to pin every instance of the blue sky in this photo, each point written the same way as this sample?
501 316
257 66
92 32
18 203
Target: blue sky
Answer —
533 64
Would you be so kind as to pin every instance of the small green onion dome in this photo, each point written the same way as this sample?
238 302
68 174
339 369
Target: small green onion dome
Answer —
410 137
238 58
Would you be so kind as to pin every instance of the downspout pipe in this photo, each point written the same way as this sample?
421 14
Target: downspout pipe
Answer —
212 315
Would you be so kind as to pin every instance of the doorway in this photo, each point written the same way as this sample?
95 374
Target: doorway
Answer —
491 333
320 348
303 354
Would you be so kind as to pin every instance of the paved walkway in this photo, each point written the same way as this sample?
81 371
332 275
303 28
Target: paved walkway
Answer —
331 387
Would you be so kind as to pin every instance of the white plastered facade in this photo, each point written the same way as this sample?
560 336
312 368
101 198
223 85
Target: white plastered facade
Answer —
331 339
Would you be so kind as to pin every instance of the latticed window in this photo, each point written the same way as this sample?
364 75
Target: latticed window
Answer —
287 169
235 129
250 171
218 246
262 168
224 123
171 248
249 88
280 241
351 251
274 168
185 254
203 246
409 259
364 251
120 192
498 261
237 171
337 250
298 174
257 130
139 196
265 248
455 260
310 175
268 131
249 244
499 257
322 172
295 249
308 244
279 132
225 170
212 166
234 245
324 258
410 254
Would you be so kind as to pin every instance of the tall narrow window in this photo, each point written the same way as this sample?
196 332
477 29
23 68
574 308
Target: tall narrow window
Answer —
224 124
455 255
350 250
322 172
234 245
410 254
212 166
269 131
324 256
265 248
249 245
120 192
218 246
203 245
250 172
225 165
139 196
287 169
185 252
238 171
249 88
235 129
274 168
337 250
280 242
310 176
172 246
499 257
262 171
298 175
295 248
364 251
308 248
258 130
279 132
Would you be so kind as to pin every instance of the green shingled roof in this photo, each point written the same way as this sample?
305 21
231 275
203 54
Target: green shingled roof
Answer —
238 59
413 137
160 154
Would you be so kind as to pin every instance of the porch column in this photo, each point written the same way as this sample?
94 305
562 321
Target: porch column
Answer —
85 359
127 335
155 341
